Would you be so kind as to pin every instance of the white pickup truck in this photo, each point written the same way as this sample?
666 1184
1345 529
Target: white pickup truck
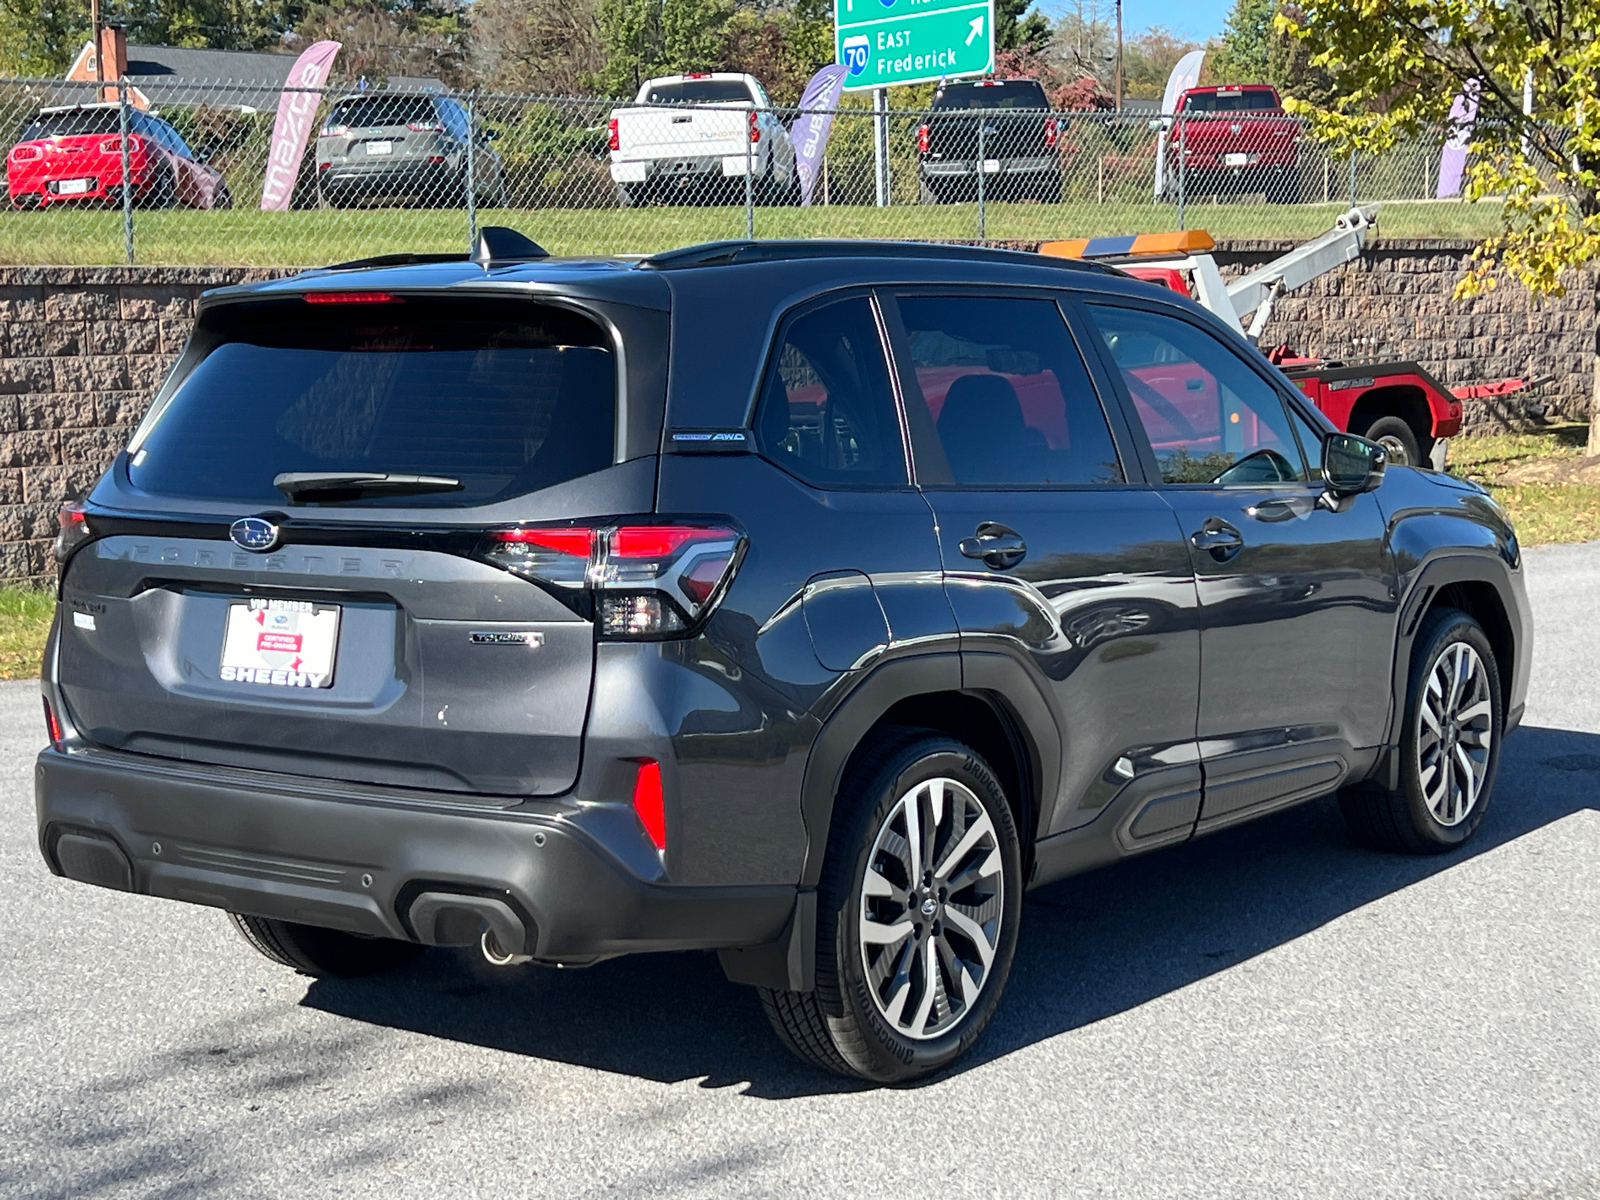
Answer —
693 139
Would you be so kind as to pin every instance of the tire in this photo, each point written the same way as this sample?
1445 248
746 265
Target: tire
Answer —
895 1020
1432 813
1285 187
1049 192
163 189
312 950
222 197
928 194
1398 438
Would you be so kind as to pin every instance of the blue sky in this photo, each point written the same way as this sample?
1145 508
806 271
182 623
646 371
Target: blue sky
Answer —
1199 19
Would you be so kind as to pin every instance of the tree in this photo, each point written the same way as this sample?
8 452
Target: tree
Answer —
1016 28
390 37
1242 52
1148 59
547 46
1399 63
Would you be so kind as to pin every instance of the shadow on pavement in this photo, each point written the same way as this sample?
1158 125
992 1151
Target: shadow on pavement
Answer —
1091 946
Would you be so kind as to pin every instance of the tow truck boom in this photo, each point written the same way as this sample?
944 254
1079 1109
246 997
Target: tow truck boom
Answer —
1257 291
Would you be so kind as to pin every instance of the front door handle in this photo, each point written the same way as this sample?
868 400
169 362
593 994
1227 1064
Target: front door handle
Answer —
1219 538
997 546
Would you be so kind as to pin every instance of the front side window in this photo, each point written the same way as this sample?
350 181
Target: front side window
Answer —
827 414
1007 392
1209 417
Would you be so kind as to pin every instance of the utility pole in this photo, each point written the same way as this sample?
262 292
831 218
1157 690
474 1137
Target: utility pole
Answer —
99 67
1119 55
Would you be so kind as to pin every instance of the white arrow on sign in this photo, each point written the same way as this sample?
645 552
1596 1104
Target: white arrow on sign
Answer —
977 29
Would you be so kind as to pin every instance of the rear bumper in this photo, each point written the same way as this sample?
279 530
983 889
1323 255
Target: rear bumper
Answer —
421 180
354 859
966 169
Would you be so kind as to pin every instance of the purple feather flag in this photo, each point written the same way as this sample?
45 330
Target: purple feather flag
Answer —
810 132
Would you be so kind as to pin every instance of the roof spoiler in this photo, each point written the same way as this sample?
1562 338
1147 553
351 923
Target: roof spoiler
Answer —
498 244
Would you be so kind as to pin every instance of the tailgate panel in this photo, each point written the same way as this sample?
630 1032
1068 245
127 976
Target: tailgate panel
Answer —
416 700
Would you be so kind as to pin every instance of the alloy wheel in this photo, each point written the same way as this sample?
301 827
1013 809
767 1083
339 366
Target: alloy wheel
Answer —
931 906
1395 448
1455 728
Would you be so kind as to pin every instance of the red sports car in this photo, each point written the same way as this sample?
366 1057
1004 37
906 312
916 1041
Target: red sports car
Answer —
74 155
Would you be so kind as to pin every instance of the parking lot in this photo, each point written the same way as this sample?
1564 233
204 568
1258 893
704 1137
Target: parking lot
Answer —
1271 1011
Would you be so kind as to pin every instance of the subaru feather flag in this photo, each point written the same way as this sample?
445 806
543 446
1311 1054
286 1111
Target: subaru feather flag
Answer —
810 133
296 112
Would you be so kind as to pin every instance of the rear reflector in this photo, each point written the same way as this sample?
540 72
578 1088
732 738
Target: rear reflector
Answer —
649 803
351 298
53 726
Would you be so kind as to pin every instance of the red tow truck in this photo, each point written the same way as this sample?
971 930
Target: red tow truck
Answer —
1398 404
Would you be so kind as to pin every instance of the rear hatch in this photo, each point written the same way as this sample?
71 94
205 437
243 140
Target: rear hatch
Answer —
697 118
1010 112
377 131
352 628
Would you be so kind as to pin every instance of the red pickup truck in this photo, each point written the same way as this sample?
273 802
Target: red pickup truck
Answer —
1235 139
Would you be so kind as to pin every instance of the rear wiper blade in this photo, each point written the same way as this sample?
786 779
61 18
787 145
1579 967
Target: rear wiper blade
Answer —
353 485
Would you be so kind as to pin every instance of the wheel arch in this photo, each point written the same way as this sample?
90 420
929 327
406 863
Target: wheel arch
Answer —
1404 400
1476 585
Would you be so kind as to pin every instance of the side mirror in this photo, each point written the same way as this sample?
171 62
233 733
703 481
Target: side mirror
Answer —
1351 465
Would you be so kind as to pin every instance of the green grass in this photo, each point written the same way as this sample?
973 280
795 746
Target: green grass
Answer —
25 615
1542 512
249 237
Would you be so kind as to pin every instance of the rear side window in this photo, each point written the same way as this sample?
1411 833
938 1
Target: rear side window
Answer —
505 396
826 412
1007 392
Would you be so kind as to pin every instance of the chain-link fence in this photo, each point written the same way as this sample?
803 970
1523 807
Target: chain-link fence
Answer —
156 172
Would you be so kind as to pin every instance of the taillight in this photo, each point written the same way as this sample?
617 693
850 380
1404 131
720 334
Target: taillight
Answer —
648 801
72 529
639 582
922 139
755 129
335 131
26 153
613 137
425 127
113 145
1052 131
53 728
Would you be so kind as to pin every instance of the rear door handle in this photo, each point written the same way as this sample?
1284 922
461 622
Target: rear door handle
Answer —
1222 540
997 546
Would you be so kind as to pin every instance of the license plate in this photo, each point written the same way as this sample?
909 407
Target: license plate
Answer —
1236 160
380 147
991 166
283 643
73 187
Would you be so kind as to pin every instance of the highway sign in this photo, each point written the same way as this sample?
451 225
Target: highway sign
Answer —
884 42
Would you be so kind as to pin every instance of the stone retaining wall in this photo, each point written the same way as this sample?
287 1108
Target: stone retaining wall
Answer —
82 350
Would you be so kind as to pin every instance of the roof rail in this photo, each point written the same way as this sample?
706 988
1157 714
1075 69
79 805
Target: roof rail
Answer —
730 253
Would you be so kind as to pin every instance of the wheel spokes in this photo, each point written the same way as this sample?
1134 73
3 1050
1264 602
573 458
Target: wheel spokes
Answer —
1455 730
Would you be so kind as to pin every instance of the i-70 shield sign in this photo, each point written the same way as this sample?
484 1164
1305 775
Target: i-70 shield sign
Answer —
884 42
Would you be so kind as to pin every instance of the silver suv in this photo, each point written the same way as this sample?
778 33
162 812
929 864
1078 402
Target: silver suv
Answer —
409 149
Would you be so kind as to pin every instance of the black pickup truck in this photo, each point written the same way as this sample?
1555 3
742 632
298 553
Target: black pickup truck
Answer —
1004 124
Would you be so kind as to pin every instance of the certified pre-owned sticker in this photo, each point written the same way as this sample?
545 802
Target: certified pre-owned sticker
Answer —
501 637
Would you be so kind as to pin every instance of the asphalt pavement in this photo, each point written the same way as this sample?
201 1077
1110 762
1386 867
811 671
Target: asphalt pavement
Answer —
1273 1011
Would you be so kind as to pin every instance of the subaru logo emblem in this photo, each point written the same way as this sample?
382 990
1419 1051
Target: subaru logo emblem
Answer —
254 533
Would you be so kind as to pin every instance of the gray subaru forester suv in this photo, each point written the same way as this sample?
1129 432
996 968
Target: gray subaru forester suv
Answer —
808 602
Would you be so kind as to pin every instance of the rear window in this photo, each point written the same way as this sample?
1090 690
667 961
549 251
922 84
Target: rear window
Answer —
384 110
1238 100
72 124
1011 93
506 397
700 91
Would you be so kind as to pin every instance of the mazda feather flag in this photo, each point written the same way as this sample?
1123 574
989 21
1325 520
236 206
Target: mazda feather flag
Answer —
297 111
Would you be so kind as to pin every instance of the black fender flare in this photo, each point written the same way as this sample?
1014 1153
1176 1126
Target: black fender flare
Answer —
1435 575
790 963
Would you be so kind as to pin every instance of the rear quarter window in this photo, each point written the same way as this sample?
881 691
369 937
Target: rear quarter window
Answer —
506 396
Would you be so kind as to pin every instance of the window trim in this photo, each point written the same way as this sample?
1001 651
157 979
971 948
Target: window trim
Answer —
769 365
1147 453
925 448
